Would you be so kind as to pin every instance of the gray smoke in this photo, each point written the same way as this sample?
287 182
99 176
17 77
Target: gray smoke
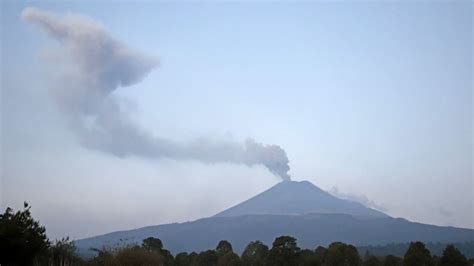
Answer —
362 199
100 65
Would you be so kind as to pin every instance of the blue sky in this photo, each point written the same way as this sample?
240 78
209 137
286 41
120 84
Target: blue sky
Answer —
374 99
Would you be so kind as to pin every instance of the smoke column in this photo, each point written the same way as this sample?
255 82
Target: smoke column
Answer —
100 65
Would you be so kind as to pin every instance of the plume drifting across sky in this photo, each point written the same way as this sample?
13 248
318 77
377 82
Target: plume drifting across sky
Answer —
100 65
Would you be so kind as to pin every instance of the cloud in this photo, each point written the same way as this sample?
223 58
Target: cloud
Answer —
99 65
102 63
362 199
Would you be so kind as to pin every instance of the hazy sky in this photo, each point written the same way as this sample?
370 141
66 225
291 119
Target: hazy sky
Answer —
371 101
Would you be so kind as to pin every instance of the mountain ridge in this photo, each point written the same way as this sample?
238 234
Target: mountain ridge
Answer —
300 209
310 230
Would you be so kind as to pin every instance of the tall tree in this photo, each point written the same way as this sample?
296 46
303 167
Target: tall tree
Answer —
223 247
255 254
417 255
208 258
283 252
153 244
181 259
307 257
22 239
226 255
193 258
453 257
229 259
341 254
320 254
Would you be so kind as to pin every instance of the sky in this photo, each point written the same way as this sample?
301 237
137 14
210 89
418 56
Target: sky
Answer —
371 101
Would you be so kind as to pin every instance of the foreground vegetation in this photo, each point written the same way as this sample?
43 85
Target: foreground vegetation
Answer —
399 249
23 241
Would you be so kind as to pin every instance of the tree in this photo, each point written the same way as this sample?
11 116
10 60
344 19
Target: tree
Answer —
155 245
370 260
167 257
152 244
181 259
417 255
307 257
229 259
208 258
63 252
104 257
341 254
453 257
138 256
391 260
283 252
255 254
223 247
22 239
320 254
193 258
226 256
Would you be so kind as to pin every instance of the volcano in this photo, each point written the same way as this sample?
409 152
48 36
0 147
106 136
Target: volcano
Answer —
300 209
298 198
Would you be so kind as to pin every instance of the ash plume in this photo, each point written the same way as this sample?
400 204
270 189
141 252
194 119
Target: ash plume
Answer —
99 65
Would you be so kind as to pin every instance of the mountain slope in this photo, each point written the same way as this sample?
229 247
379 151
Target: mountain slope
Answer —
299 209
294 198
310 230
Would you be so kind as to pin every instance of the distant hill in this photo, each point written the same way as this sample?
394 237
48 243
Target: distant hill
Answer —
299 209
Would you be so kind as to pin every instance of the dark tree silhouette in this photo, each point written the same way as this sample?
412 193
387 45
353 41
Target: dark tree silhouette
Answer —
255 254
23 240
320 254
193 258
229 259
370 260
223 247
283 252
226 256
181 259
208 258
341 254
152 244
307 257
453 257
417 255
391 260
155 245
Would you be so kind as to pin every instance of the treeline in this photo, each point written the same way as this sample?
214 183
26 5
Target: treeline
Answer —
283 252
399 249
23 241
